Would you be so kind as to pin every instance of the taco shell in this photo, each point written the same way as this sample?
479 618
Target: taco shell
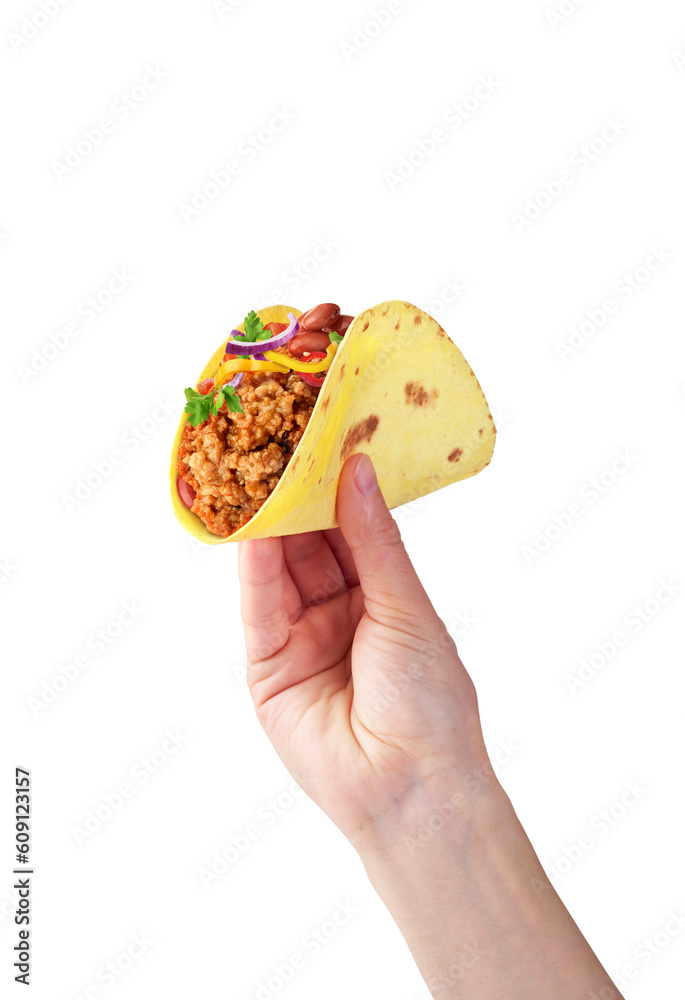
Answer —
398 389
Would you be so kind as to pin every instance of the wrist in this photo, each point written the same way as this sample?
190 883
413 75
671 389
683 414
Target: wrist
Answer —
466 889
448 806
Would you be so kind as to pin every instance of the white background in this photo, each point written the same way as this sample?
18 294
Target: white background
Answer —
359 98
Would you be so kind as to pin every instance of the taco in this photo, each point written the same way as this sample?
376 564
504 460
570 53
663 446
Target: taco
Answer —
278 410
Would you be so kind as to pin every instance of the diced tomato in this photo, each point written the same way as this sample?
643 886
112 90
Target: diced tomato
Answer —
205 386
275 328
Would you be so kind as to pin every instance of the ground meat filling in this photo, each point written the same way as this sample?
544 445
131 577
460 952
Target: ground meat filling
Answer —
234 461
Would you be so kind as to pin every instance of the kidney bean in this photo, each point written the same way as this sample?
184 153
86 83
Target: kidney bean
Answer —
341 325
320 317
308 341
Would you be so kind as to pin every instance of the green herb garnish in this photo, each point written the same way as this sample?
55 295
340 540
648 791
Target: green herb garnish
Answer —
199 406
335 337
254 330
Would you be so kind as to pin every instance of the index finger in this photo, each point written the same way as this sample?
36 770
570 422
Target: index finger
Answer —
263 603
341 551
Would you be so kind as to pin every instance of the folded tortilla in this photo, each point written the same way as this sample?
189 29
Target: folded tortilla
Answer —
398 389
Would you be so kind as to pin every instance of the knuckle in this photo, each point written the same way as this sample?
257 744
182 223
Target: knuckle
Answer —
387 534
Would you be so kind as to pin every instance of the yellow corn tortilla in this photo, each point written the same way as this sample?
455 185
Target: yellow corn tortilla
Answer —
398 389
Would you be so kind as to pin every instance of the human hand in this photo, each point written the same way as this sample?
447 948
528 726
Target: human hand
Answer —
354 676
362 693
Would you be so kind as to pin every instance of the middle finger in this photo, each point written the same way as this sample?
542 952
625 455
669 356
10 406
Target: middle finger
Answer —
313 567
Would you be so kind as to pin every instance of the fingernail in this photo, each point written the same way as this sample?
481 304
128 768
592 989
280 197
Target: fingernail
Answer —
364 475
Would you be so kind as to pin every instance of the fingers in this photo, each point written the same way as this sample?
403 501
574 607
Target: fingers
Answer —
264 601
391 587
313 567
341 551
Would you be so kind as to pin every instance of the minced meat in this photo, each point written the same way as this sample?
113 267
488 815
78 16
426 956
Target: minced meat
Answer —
234 461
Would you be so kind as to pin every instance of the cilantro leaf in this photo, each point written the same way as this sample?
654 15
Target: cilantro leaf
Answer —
335 337
213 406
232 399
197 406
254 329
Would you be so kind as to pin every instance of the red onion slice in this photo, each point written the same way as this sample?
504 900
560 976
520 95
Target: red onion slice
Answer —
259 346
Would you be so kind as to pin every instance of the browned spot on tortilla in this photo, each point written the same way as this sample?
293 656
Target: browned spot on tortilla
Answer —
417 320
342 370
324 405
480 430
366 326
406 305
385 311
356 371
318 480
490 416
416 394
362 431
455 455
397 325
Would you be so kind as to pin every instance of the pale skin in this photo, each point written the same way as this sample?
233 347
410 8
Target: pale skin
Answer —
362 693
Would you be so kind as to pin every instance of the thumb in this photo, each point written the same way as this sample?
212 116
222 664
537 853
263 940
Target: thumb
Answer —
391 587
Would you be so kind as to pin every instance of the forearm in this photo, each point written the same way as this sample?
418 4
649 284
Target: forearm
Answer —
463 883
